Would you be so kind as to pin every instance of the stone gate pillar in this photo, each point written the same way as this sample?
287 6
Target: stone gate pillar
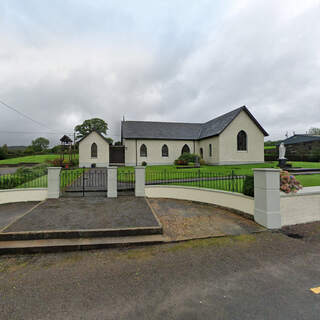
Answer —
267 197
54 182
140 177
112 182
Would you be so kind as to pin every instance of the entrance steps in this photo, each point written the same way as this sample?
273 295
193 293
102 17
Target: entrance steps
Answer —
58 245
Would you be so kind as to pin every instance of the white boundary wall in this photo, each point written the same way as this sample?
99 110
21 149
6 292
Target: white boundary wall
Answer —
23 195
301 207
221 198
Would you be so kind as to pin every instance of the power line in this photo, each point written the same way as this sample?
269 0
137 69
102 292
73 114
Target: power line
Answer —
35 132
24 115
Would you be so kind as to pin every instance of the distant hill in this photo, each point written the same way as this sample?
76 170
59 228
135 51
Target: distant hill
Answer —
16 148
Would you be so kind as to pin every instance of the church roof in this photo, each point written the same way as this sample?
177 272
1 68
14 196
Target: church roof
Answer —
182 131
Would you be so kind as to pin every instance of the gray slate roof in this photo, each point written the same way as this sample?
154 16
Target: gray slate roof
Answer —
182 131
300 138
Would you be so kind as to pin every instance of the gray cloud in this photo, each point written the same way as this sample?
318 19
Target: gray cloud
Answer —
64 62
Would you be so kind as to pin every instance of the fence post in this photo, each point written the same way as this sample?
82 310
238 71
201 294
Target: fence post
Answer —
140 177
267 197
112 182
54 182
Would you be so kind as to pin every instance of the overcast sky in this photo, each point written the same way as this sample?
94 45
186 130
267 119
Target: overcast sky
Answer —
64 61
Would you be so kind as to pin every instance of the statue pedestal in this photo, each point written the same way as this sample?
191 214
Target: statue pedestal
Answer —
282 163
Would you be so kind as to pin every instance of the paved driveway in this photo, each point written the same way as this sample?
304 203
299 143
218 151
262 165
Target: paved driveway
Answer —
12 211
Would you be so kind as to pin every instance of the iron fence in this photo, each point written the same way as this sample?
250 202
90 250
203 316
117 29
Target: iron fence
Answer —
197 178
24 180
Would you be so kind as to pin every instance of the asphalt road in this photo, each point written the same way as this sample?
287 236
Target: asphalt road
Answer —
261 276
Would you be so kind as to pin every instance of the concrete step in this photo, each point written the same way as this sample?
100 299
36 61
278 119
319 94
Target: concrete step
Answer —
55 245
72 234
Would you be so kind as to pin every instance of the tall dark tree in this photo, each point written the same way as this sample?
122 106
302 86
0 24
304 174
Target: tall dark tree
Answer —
90 125
2 154
5 149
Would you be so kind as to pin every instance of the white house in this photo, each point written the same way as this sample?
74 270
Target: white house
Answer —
233 138
93 151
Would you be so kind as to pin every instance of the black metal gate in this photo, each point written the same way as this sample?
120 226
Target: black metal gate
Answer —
84 182
116 155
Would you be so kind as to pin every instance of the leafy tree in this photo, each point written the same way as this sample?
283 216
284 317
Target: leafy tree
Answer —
90 125
118 143
2 154
40 144
5 149
314 131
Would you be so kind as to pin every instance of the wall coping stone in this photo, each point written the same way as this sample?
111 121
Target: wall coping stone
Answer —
266 169
306 191
23 189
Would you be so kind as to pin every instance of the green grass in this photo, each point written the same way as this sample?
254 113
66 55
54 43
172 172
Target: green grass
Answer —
310 180
40 182
40 158
244 169
270 147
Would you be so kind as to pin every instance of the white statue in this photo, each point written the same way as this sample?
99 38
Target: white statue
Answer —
282 151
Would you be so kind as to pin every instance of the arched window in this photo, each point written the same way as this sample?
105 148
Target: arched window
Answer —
165 151
94 151
242 141
201 153
143 151
185 149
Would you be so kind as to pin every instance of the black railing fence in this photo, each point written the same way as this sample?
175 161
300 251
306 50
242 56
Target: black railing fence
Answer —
201 179
23 180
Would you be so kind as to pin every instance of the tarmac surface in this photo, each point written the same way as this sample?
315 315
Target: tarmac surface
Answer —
86 213
265 275
12 211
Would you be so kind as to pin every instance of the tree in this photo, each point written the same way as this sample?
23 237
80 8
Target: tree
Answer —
90 125
314 131
2 154
5 149
40 144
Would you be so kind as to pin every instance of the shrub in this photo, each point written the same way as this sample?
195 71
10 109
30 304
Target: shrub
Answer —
143 163
248 186
185 158
202 162
180 162
289 183
74 163
57 162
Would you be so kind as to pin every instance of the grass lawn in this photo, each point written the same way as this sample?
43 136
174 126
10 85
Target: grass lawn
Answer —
240 169
40 158
310 180
40 182
270 147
